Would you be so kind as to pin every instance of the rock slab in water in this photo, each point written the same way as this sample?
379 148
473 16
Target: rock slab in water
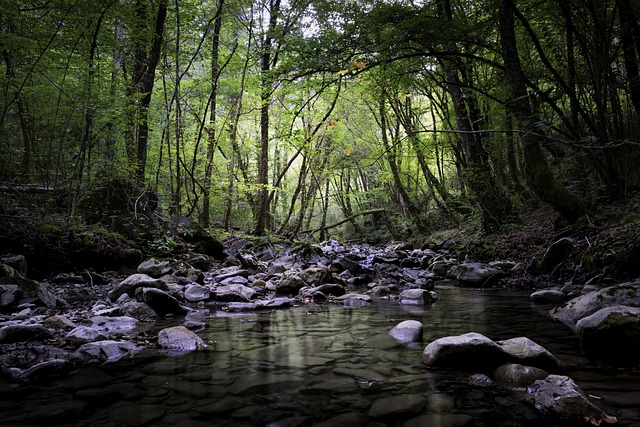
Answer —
407 331
180 338
471 350
560 397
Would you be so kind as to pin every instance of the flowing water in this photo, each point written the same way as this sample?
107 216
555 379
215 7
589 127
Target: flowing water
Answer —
322 365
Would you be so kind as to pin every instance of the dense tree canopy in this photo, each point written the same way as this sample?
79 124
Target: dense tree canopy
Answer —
294 116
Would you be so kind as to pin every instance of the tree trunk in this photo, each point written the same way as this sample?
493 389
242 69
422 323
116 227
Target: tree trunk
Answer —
262 194
205 217
538 176
142 84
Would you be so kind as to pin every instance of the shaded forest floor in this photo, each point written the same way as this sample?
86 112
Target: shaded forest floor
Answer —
604 248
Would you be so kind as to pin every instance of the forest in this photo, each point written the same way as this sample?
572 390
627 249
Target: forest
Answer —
377 121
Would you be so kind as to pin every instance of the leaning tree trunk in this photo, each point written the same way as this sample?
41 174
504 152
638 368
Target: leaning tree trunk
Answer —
538 176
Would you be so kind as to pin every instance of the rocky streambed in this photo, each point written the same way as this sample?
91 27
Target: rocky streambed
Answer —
53 329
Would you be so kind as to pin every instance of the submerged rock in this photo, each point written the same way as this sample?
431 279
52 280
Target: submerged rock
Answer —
400 404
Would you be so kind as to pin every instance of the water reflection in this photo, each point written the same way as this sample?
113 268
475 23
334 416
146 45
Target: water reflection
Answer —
320 364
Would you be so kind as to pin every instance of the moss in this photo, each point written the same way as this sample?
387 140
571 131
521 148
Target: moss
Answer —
631 293
612 291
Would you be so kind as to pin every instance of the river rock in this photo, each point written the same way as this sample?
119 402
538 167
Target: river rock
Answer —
548 296
467 351
180 338
59 321
118 325
23 332
233 293
290 284
195 293
407 331
560 397
417 297
516 375
399 404
139 310
285 263
84 334
9 295
317 275
321 292
625 294
30 291
354 300
130 284
160 301
611 334
107 351
155 268
475 274
528 352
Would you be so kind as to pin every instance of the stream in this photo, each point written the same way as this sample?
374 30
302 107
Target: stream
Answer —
321 364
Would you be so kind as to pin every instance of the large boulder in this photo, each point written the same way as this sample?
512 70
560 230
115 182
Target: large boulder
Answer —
611 334
130 284
558 397
407 332
467 351
625 294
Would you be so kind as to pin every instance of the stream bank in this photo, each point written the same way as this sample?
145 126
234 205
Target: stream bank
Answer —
165 308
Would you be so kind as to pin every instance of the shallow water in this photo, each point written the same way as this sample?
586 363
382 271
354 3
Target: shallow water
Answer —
308 365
